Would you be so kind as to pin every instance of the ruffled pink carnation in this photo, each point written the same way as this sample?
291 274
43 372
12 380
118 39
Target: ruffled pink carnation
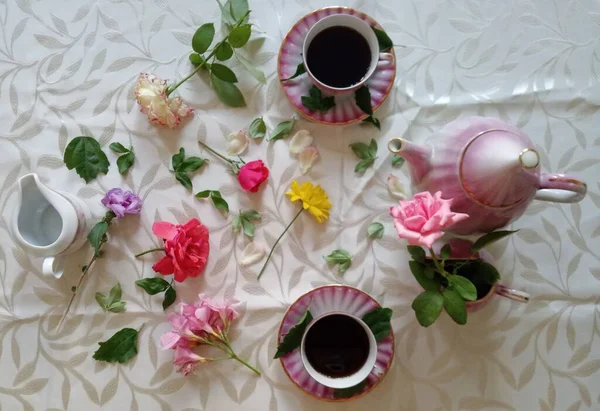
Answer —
151 95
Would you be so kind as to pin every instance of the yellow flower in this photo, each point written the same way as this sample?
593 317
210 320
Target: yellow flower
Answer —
314 199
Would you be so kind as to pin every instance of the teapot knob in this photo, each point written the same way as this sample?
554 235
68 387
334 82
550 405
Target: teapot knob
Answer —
529 158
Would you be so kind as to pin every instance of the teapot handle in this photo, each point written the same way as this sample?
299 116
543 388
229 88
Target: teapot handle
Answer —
53 266
560 188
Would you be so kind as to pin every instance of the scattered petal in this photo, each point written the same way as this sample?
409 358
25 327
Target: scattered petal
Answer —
306 158
253 252
301 141
237 143
395 187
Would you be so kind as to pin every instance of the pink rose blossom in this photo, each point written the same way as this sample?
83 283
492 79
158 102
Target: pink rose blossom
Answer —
151 95
421 220
252 175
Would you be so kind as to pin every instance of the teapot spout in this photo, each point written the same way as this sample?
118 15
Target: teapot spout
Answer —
419 157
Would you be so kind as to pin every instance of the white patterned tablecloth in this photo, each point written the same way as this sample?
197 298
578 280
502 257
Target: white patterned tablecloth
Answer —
67 68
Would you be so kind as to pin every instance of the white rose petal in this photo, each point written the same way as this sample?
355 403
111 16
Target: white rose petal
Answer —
395 187
301 140
252 253
237 143
306 158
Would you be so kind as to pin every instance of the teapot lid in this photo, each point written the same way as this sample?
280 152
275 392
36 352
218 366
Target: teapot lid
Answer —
498 168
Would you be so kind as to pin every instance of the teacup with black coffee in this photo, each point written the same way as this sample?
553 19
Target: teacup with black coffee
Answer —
341 52
338 350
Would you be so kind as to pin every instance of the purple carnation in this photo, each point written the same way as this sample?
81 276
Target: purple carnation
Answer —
122 202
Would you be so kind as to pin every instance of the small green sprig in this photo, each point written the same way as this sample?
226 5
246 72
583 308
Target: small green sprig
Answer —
218 200
315 101
366 153
245 221
182 166
282 130
112 302
340 258
156 285
126 159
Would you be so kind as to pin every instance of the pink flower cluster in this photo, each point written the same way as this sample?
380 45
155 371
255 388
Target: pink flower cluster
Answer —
203 322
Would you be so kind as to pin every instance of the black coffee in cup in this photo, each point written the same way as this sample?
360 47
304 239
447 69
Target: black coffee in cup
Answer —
337 346
339 57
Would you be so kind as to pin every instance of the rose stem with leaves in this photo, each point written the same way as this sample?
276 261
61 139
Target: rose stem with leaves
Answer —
173 87
277 242
107 219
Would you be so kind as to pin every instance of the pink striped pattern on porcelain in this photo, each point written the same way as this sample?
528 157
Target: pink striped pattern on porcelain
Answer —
345 111
323 300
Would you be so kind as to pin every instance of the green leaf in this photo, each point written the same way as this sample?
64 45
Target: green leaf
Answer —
223 52
223 72
249 227
251 215
427 307
375 230
463 286
361 150
121 347
220 203
236 223
97 236
490 238
397 160
315 101
479 272
203 194
374 121
373 148
196 59
237 8
455 306
118 148
152 286
293 338
226 16
170 297
184 180
385 42
417 253
340 258
215 193
350 391
228 93
362 96
378 321
257 128
418 271
362 165
282 130
203 37
429 272
85 155
251 68
191 164
300 69
445 252
115 294
125 162
239 36
102 300
117 307
177 159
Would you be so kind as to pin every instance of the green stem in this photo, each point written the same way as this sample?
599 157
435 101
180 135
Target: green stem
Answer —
172 88
276 242
238 359
222 157
437 263
149 251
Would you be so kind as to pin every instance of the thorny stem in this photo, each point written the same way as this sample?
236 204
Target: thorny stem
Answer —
276 242
172 88
222 157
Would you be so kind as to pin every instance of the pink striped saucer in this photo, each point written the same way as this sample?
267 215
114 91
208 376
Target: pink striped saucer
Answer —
345 111
322 300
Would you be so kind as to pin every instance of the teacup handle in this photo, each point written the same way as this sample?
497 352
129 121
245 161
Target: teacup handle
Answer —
53 266
560 188
516 295
385 59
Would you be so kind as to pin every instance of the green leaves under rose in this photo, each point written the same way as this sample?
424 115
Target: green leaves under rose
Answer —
156 285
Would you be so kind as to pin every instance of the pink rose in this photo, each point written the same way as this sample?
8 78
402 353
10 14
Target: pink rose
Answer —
186 246
252 175
151 95
421 220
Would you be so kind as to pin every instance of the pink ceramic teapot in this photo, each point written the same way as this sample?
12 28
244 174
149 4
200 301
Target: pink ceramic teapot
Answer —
490 169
